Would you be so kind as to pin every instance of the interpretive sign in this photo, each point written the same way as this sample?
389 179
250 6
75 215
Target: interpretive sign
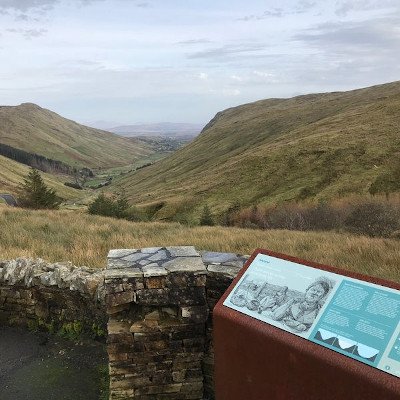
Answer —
358 319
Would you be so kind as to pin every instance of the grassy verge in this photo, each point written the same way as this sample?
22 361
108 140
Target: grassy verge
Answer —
85 240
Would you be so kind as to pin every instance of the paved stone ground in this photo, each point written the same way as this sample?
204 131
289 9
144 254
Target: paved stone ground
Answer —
37 367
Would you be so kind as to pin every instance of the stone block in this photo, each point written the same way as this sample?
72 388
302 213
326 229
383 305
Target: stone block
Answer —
171 388
210 257
134 258
155 282
117 299
188 296
196 314
114 288
118 274
146 326
159 256
229 272
183 251
154 269
150 250
185 264
184 279
119 253
152 296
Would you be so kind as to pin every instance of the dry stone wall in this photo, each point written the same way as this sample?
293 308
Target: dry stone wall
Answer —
158 303
33 293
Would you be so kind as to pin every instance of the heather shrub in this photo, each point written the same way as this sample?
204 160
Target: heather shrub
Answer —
374 219
378 218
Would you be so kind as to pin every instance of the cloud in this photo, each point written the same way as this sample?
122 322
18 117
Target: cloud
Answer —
371 35
301 7
357 53
143 5
45 5
25 5
28 33
228 51
194 41
203 76
344 7
274 12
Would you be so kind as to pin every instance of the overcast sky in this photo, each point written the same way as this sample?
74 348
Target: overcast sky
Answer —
183 60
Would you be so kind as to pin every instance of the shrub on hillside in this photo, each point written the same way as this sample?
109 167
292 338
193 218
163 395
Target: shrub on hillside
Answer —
116 208
35 194
73 185
374 219
377 218
108 207
206 218
102 205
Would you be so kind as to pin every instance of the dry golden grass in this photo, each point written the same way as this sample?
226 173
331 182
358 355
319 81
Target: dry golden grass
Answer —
85 240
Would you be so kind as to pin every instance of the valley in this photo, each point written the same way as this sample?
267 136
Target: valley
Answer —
319 149
33 136
316 147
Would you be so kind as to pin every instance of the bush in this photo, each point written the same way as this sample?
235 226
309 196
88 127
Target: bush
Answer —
35 194
73 185
374 219
116 208
366 217
102 205
206 218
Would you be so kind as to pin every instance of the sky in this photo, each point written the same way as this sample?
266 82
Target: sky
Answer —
128 61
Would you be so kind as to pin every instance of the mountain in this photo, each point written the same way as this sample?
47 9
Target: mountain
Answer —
166 129
311 147
36 130
12 174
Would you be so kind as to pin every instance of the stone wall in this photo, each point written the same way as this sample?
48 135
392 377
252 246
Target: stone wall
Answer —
34 293
158 303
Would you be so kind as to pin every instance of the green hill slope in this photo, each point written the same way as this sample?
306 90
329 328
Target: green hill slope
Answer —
37 130
318 146
12 175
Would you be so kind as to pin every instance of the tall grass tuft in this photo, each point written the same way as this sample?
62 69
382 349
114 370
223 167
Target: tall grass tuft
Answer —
84 239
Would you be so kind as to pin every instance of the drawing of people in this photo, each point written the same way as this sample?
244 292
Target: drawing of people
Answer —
299 314
247 295
270 303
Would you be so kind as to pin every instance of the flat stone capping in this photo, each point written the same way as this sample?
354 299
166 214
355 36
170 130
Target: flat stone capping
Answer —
37 273
160 261
154 261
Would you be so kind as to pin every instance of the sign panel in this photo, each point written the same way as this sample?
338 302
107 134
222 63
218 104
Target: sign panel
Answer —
358 319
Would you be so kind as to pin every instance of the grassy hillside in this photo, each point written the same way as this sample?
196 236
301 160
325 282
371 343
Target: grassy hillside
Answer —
86 240
13 173
37 130
318 146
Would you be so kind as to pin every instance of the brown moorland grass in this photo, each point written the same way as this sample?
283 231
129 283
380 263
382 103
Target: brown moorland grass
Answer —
85 240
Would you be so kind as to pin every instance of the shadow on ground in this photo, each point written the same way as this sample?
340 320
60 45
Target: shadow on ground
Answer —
38 367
